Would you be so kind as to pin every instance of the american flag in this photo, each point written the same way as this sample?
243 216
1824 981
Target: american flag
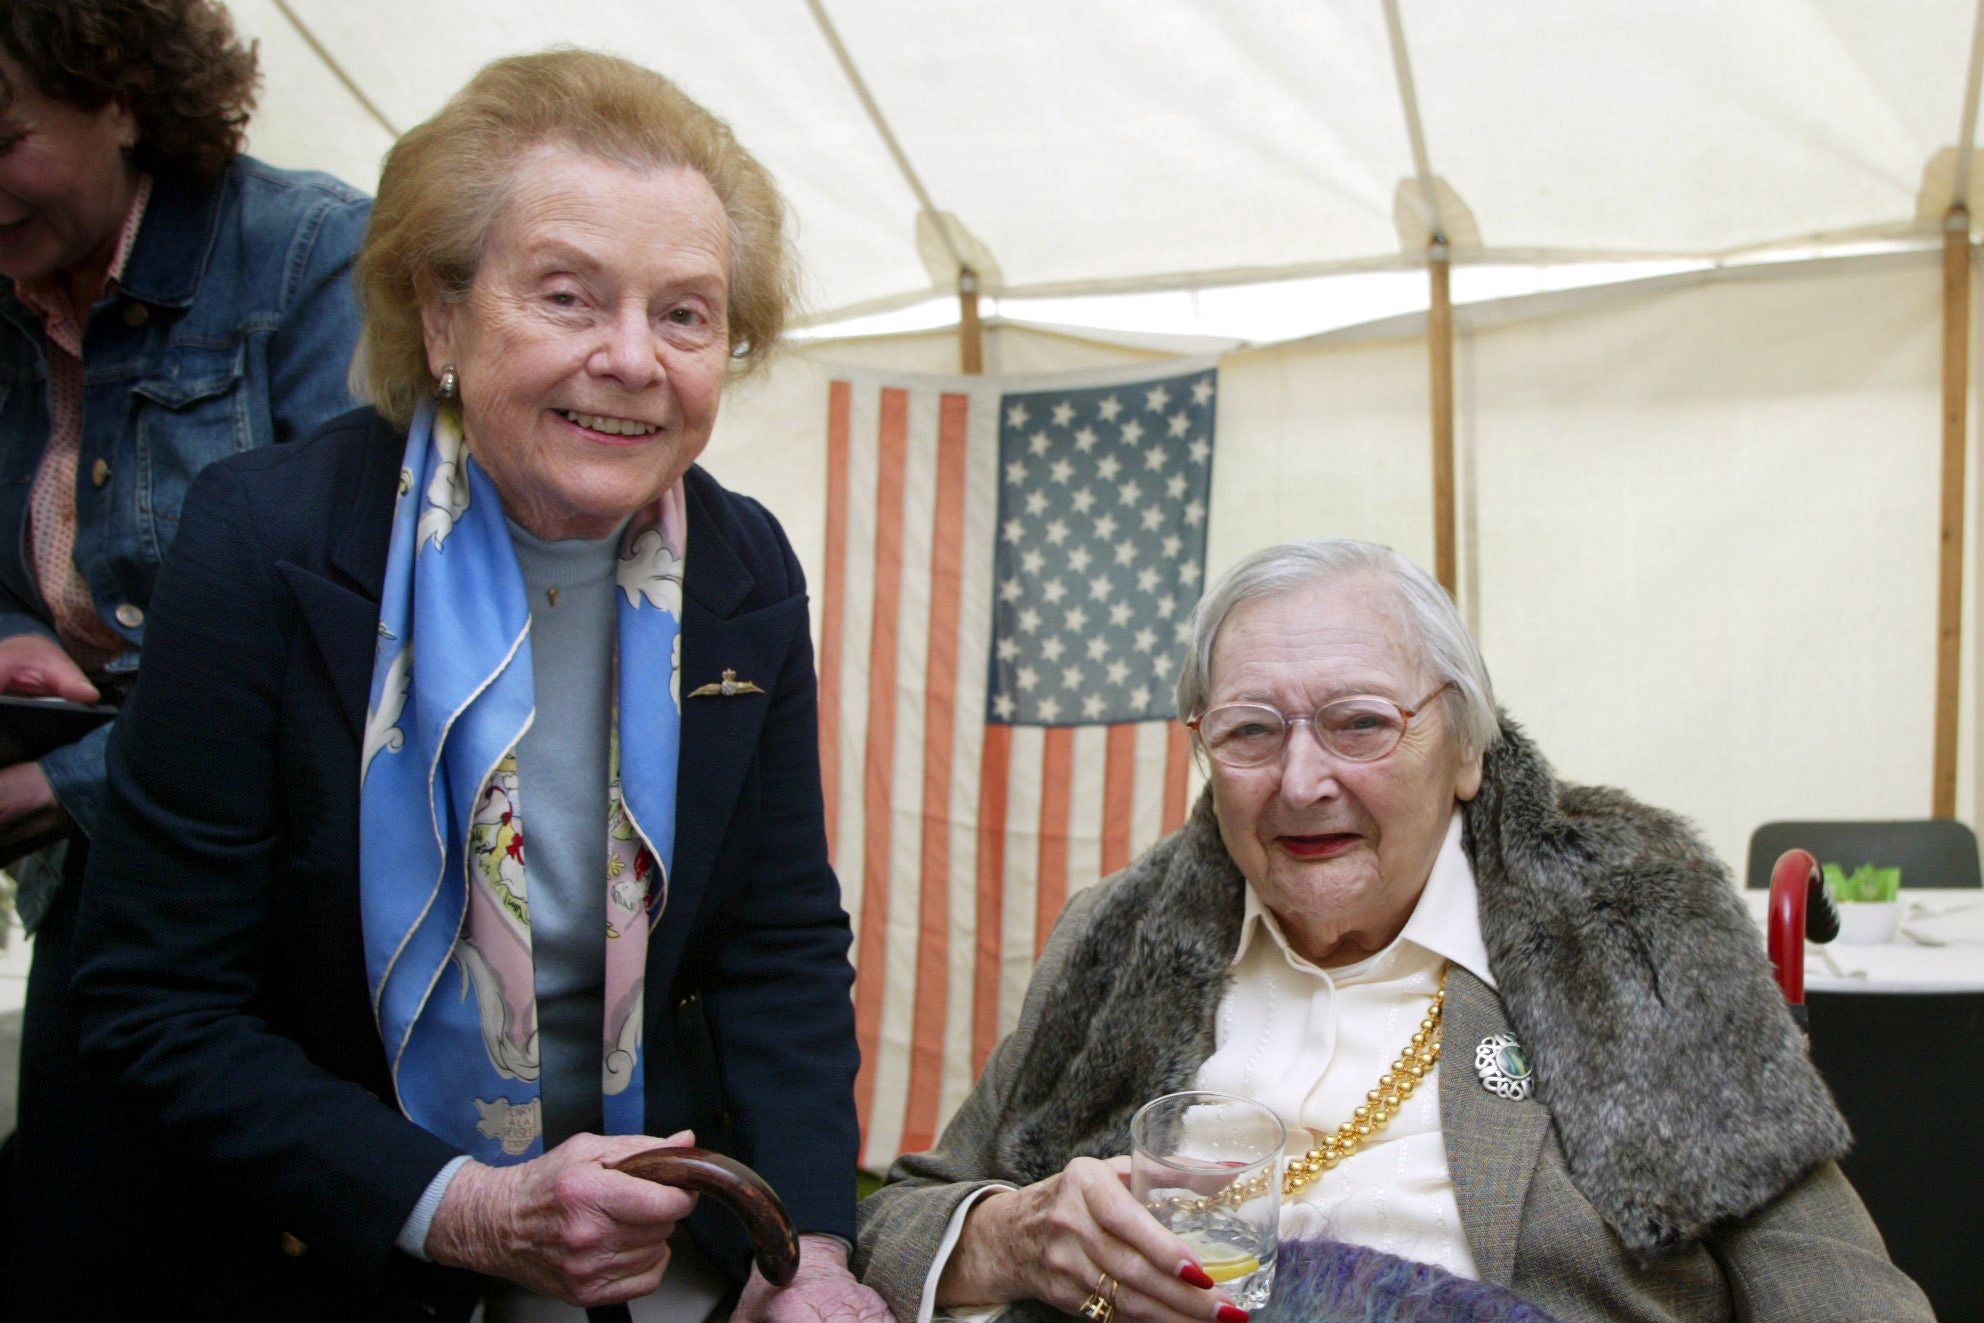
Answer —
1009 571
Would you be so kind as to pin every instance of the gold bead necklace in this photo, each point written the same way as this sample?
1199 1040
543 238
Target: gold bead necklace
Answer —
1380 1104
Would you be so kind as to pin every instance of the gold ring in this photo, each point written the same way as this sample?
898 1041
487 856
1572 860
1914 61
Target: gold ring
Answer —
1100 1306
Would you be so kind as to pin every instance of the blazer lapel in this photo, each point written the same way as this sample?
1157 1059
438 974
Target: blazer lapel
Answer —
341 605
720 732
1492 1143
345 627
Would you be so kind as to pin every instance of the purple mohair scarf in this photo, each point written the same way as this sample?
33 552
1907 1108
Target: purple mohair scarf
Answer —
1326 1281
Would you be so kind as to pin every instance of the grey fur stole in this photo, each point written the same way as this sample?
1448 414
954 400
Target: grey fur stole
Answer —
1680 1087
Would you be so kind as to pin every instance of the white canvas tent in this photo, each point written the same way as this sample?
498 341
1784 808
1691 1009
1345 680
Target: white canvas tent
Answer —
1698 517
1094 145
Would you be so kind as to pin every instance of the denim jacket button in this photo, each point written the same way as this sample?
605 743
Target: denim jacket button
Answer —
100 473
129 616
135 314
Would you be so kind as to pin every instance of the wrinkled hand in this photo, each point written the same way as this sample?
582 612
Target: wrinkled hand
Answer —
824 1291
36 666
1053 1240
29 813
563 1225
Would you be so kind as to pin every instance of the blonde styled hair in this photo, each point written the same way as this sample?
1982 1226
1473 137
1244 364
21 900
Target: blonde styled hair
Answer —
446 182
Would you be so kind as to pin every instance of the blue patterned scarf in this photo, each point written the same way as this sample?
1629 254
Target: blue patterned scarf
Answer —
441 845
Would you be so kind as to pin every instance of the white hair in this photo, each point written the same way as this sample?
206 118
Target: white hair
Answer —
1445 647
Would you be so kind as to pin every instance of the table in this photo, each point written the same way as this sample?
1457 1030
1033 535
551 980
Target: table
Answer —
1940 947
1906 1069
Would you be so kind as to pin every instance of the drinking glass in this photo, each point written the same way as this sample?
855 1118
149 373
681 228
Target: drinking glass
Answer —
1208 1167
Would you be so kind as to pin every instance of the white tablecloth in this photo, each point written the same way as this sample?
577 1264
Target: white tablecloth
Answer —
1939 948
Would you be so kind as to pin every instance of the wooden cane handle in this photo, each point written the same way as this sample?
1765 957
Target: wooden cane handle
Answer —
774 1243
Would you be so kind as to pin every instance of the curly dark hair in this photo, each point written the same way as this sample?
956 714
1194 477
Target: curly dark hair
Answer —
188 79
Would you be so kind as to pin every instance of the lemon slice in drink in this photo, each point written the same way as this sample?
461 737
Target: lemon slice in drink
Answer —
1224 1264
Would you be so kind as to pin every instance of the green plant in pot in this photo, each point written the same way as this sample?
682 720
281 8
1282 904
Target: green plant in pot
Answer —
1869 902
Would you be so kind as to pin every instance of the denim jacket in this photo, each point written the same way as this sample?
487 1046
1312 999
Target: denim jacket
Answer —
232 327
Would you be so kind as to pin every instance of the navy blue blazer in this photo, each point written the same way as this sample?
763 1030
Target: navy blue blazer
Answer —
221 976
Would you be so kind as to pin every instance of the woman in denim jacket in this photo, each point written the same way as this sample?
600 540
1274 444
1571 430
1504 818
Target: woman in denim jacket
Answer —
168 302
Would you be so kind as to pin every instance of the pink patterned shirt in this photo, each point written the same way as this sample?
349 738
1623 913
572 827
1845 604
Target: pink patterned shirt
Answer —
52 503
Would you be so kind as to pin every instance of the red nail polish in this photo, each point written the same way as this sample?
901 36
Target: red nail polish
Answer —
1231 1314
1193 1275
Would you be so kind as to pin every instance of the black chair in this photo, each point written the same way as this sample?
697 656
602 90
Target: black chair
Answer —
1907 1069
1931 852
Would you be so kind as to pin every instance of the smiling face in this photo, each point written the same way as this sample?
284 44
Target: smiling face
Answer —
1338 850
64 182
592 347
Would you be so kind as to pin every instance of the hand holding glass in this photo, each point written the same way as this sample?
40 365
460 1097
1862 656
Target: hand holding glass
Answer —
1208 1167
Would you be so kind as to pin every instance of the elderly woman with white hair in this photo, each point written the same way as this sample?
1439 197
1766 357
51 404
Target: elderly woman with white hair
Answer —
1624 1124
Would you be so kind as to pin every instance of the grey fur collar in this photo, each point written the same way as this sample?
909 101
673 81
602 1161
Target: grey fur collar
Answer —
1679 1086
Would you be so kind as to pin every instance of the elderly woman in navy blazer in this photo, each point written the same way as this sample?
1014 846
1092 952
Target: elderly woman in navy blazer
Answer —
441 863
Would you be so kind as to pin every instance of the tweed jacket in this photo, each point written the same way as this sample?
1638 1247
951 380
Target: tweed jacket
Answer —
1677 1162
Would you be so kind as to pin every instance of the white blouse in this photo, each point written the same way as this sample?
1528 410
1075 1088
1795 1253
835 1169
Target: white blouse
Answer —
1309 1042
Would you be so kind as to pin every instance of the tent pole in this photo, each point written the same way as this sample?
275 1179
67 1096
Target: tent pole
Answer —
1440 357
971 333
337 70
1956 409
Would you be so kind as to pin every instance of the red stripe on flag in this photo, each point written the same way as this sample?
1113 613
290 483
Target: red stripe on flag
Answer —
833 601
1057 758
878 772
1119 783
1177 763
995 766
933 947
